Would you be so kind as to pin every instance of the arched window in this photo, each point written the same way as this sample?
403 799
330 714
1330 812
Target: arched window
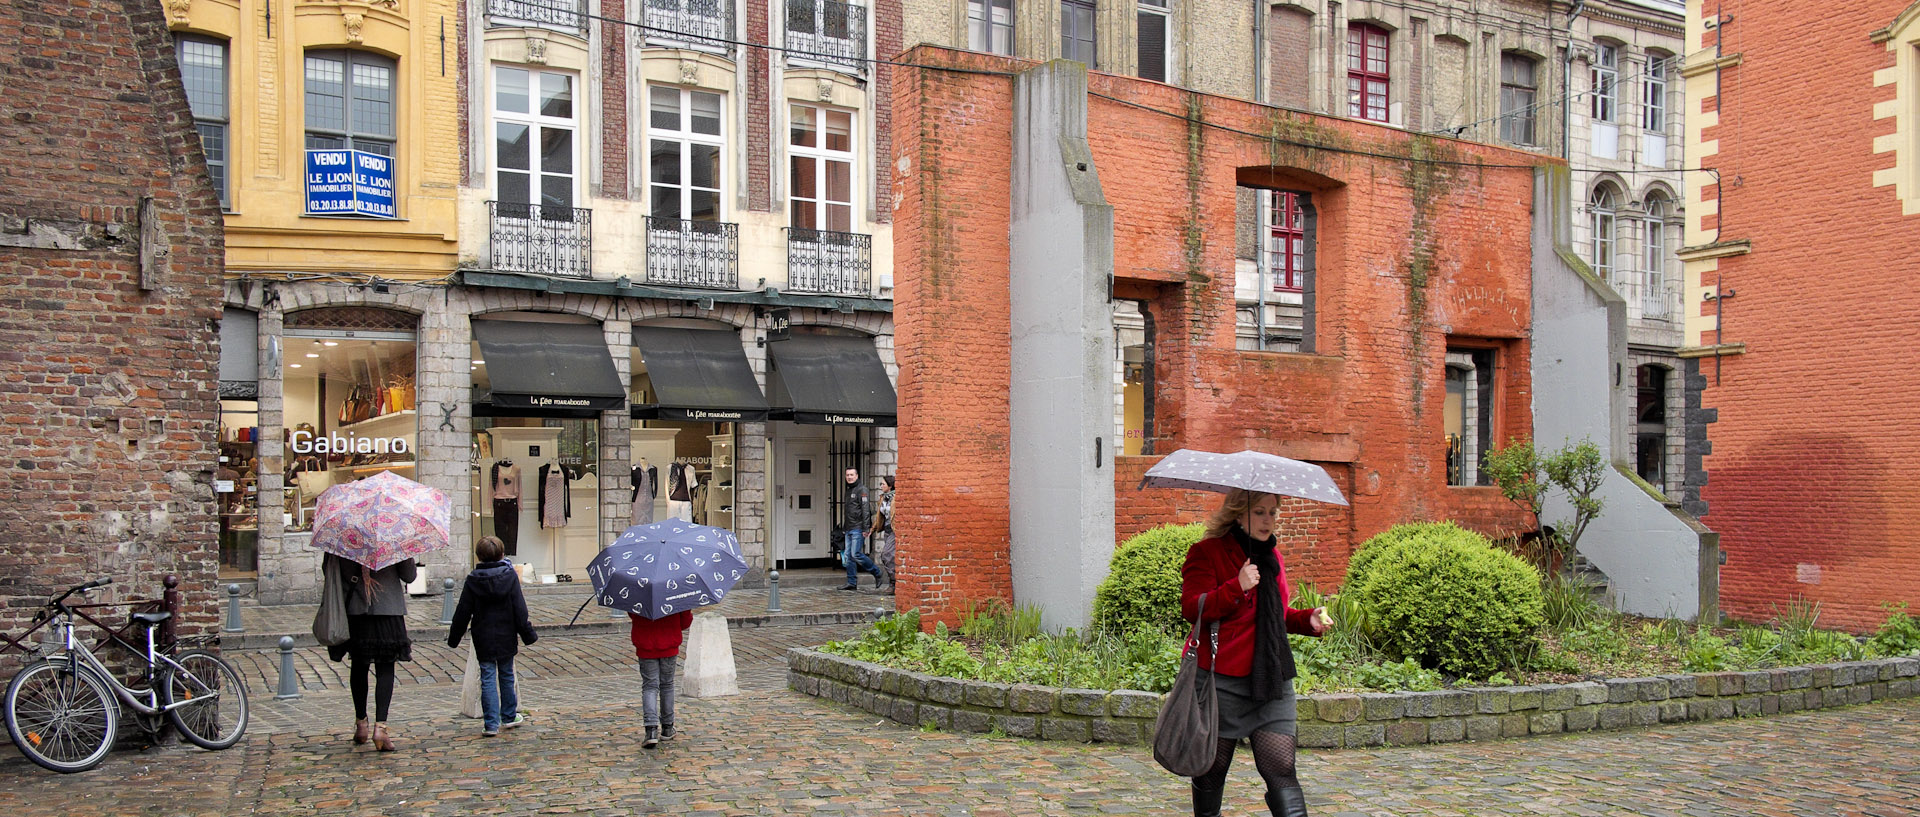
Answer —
1653 301
1602 207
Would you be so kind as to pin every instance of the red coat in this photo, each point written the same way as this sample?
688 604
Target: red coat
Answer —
659 638
1213 567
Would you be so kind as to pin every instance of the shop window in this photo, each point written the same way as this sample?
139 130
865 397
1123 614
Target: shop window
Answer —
236 487
1367 72
1153 19
348 401
1077 32
1470 403
990 26
203 71
1518 90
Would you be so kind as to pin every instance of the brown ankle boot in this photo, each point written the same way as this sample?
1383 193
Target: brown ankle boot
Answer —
361 731
382 739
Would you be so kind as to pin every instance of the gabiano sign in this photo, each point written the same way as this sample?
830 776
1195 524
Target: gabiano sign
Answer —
305 442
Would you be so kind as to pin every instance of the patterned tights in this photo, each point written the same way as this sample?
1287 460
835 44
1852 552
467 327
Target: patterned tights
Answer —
1272 755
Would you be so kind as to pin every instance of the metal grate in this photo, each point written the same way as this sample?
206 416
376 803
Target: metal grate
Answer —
352 317
561 14
693 253
541 240
829 262
828 31
700 24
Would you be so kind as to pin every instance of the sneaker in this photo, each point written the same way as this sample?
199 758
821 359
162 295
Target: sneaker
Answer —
849 587
653 737
667 731
488 733
518 719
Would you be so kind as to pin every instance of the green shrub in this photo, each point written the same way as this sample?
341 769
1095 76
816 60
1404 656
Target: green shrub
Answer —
995 621
1568 603
1443 596
1142 590
1900 635
1706 652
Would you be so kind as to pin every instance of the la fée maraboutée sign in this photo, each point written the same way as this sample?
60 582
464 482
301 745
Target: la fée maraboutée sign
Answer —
306 442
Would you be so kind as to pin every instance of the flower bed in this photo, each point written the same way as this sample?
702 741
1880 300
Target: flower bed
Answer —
1358 720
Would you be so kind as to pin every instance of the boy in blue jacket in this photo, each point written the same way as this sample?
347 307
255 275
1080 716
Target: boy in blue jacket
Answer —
491 601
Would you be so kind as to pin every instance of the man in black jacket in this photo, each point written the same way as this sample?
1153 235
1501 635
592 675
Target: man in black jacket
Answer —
492 601
856 512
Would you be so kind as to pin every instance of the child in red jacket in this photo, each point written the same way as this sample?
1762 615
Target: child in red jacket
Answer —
657 644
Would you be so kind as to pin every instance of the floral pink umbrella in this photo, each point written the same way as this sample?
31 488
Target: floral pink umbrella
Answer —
381 520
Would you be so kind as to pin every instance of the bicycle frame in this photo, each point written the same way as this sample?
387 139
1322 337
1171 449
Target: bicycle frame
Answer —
75 652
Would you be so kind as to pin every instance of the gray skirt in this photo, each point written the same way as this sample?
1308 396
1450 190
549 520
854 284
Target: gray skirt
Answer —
1241 714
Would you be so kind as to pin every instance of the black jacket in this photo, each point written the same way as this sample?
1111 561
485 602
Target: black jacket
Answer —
492 602
858 511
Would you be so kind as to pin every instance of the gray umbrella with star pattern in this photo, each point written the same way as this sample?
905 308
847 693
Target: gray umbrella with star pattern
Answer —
1251 470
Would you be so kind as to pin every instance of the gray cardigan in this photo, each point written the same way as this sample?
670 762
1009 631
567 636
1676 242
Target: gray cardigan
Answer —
389 587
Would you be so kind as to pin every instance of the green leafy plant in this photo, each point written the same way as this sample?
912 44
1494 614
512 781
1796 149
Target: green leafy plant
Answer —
995 621
1447 599
1706 652
1578 470
1142 589
1525 475
1899 635
1568 604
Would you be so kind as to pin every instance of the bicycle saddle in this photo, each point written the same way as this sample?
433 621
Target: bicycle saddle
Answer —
151 618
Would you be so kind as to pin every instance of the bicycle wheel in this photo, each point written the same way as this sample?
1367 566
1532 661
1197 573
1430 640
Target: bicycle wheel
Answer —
63 719
217 713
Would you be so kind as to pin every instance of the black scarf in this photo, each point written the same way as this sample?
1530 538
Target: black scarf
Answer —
1272 655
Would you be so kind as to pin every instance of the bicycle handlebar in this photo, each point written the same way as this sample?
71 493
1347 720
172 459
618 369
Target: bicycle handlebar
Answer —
81 588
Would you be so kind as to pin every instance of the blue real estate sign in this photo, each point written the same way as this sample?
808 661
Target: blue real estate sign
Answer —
349 183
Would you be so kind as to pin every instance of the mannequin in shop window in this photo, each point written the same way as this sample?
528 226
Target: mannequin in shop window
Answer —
646 487
556 502
681 481
505 479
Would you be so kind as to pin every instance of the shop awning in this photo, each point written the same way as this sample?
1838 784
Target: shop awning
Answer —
831 380
699 375
548 366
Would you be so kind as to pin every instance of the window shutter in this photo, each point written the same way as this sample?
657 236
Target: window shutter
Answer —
1153 46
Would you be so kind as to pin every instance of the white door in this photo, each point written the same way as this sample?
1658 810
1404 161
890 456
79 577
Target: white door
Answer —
803 521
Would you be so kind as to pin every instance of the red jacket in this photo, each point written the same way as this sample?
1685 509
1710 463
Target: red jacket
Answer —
659 638
1213 567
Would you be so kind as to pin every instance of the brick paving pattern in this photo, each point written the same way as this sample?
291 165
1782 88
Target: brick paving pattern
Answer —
771 751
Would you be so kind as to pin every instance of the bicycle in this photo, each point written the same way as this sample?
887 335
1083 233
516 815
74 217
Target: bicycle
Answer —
61 710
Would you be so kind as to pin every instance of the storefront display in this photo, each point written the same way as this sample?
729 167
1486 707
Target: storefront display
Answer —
236 484
349 406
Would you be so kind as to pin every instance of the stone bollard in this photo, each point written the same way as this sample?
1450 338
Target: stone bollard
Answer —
773 591
233 609
710 671
446 600
289 684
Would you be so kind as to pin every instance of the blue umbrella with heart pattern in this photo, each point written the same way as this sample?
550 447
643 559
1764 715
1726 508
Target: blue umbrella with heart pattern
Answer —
666 567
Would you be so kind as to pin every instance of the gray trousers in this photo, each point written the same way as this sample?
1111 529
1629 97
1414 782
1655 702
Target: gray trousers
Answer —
656 690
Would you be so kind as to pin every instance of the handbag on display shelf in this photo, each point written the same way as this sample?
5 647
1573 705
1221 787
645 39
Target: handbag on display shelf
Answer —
1187 732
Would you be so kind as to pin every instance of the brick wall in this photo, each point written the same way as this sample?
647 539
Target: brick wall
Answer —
886 38
108 399
613 99
754 61
1289 44
1814 466
1411 256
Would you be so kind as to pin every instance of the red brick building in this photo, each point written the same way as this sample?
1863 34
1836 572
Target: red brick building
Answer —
110 249
1800 318
1421 256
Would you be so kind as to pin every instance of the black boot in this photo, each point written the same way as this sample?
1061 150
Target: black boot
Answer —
1287 802
1206 802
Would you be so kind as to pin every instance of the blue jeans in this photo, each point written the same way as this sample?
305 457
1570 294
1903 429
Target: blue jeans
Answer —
656 690
499 700
856 559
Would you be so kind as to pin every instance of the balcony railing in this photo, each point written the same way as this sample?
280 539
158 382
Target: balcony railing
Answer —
829 263
699 24
693 253
829 31
1646 299
541 240
566 15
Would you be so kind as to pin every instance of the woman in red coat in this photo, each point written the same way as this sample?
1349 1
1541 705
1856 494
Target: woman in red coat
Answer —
1237 567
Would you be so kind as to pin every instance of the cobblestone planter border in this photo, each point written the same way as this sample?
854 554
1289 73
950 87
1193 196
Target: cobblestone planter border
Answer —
1347 720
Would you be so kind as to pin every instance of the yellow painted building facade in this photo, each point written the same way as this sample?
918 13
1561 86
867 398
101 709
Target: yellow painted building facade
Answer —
270 78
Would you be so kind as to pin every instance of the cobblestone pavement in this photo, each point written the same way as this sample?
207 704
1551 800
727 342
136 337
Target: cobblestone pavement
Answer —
770 751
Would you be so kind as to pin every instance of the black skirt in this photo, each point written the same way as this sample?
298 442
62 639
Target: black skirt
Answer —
376 639
1241 714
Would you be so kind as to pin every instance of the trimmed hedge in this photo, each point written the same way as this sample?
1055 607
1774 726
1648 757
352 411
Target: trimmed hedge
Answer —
1445 597
1142 590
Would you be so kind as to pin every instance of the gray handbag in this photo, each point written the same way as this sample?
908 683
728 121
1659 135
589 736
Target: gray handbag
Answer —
330 621
1187 733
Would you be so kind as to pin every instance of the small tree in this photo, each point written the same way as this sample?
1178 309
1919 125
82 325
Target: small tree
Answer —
1578 470
1525 477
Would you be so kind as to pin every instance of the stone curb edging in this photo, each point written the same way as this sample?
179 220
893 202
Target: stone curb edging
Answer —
1348 720
266 641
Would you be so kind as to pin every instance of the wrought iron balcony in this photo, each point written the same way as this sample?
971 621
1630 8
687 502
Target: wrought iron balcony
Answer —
828 31
829 263
565 15
541 240
688 253
698 24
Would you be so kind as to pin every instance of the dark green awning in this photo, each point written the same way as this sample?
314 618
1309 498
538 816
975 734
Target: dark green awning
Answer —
548 366
701 375
831 380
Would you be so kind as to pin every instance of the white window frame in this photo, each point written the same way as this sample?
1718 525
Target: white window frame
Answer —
211 114
685 136
990 26
1653 303
1160 11
1606 83
535 123
1604 220
821 156
1654 109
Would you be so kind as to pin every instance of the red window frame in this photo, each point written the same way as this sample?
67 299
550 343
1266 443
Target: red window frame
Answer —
1286 241
1368 73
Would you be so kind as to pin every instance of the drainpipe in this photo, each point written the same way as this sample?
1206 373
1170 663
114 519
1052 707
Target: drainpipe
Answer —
1566 85
1259 50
